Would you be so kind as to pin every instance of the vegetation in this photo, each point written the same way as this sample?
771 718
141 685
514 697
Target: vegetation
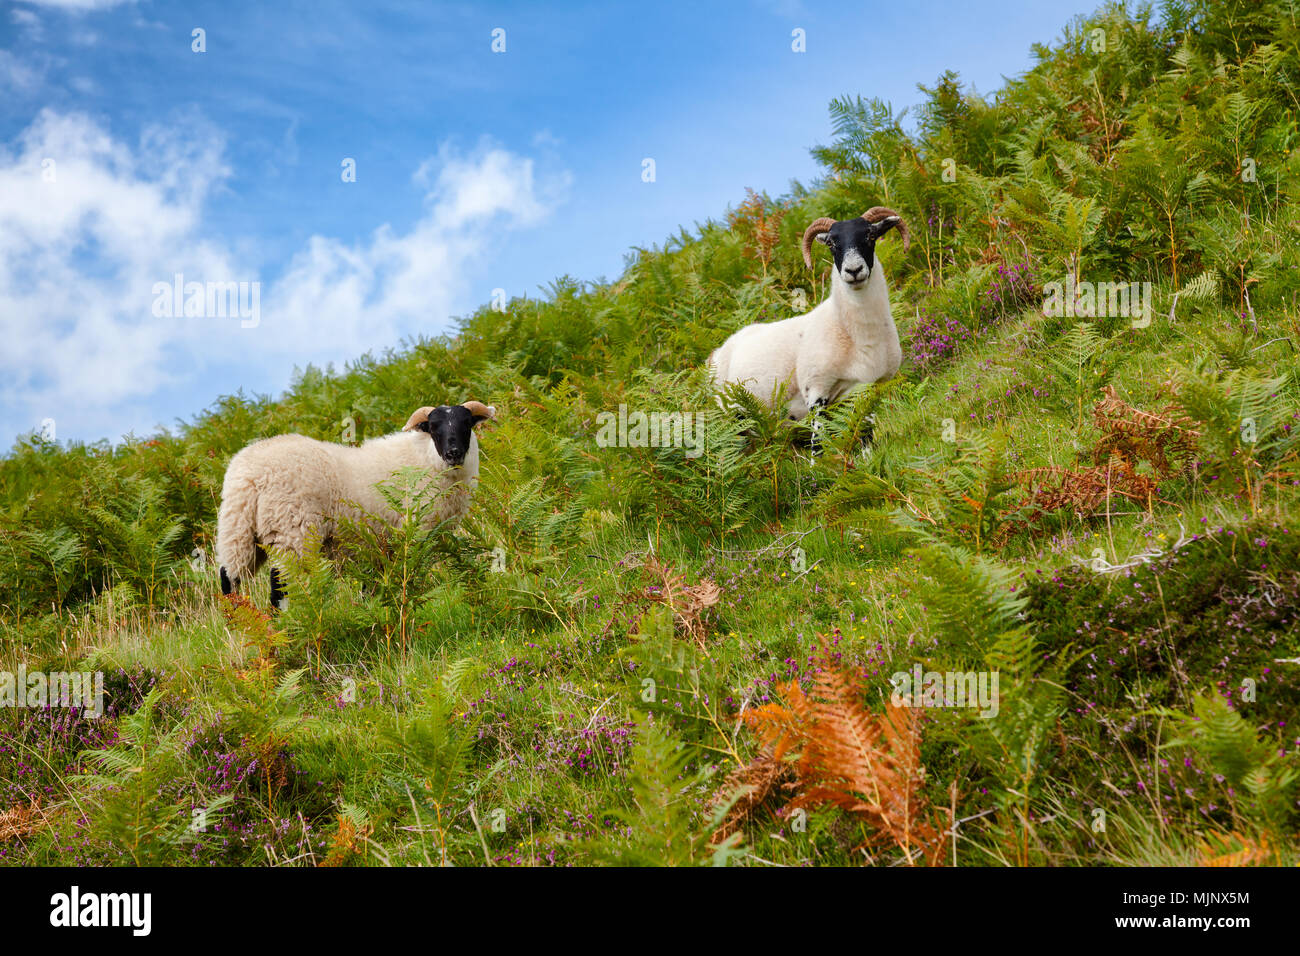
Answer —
635 655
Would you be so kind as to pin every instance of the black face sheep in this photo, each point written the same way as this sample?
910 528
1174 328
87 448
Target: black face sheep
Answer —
280 490
846 340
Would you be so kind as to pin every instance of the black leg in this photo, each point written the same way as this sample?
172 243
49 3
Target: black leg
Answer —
869 432
814 413
277 593
225 582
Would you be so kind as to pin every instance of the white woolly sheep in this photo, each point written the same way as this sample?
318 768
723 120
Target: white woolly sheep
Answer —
280 490
846 340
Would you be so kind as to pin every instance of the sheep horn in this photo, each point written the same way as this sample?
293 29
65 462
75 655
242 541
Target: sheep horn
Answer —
481 410
417 416
819 225
877 213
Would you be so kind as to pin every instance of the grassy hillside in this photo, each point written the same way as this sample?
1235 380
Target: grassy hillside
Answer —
634 655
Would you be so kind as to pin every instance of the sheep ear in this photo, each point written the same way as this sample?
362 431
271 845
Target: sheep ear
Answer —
884 219
884 225
419 419
823 237
481 412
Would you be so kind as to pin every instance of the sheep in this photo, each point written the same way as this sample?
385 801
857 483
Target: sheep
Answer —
280 490
846 340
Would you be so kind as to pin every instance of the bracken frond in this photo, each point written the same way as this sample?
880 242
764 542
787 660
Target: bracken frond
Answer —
688 602
866 764
1235 849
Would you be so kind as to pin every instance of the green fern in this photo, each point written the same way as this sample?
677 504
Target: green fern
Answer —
1233 749
663 823
1243 417
136 538
969 496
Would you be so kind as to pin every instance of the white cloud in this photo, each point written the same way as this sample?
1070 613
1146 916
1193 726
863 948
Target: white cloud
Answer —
29 21
393 284
79 257
17 76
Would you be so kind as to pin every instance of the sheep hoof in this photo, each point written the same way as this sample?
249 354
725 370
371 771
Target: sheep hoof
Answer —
226 587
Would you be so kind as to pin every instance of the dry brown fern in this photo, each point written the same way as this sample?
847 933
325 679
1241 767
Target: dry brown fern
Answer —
750 786
1235 849
870 765
779 728
246 618
688 602
1129 438
867 764
21 820
349 841
1136 436
1084 491
758 220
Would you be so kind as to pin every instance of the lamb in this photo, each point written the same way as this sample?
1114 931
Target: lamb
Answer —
846 340
280 490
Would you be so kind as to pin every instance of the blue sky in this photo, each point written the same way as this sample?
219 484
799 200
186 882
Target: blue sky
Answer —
126 158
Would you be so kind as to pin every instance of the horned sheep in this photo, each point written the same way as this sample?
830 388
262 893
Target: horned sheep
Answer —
848 339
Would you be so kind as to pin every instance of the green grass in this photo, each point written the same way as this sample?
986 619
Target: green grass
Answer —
553 713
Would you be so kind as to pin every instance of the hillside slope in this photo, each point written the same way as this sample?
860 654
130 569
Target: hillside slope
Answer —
639 655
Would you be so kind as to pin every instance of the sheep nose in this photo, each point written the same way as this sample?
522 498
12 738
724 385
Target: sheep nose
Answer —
853 271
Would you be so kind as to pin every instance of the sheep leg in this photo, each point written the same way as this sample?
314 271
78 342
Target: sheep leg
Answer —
237 551
278 594
868 433
815 425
